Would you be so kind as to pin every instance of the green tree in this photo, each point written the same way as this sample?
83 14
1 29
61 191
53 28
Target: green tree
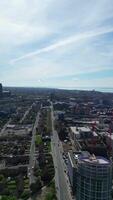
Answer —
25 195
36 187
2 178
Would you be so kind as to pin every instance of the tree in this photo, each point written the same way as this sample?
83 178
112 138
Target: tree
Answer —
8 198
47 175
20 184
36 187
3 184
1 177
25 195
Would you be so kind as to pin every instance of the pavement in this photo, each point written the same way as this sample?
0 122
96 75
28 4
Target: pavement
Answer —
61 181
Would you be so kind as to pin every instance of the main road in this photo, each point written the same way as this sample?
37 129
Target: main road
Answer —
63 191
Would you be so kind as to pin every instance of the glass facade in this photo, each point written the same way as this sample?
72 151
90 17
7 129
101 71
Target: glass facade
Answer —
94 181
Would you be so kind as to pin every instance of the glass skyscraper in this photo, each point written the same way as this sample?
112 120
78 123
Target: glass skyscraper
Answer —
94 179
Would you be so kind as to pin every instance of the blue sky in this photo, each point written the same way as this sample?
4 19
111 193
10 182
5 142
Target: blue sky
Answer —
56 43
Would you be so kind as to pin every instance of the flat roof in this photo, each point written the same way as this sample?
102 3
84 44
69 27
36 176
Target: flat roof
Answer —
96 160
74 156
87 122
84 129
76 130
11 126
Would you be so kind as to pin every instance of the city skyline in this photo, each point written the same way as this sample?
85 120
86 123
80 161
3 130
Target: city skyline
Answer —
48 43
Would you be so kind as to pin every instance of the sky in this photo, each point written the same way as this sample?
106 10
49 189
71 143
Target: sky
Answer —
56 43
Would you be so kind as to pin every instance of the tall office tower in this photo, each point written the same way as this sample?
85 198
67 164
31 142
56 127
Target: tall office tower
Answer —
94 181
1 89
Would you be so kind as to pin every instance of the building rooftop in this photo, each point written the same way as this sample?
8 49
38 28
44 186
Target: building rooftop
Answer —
86 157
84 129
75 129
109 135
74 156
95 160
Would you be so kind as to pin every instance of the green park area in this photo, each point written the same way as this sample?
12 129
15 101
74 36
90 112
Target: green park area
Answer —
38 140
48 121
51 194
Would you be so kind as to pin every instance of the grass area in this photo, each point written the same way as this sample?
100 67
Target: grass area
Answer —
26 183
25 195
12 182
49 146
7 197
26 186
49 126
11 185
38 140
51 194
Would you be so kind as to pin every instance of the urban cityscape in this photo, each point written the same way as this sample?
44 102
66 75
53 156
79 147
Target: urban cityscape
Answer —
56 99
55 144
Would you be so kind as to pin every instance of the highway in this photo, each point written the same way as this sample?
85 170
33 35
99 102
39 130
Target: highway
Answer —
32 153
61 182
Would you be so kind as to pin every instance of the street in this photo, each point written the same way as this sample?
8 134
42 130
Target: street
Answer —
5 126
26 113
62 188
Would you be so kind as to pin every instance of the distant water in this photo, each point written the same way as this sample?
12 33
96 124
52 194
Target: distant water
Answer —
104 90
99 89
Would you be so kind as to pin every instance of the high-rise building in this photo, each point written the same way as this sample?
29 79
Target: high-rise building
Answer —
94 179
72 166
1 89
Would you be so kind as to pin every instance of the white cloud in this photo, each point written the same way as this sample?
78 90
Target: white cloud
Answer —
22 21
75 33
67 41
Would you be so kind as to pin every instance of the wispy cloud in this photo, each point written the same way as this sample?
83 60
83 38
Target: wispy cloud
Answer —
62 43
47 38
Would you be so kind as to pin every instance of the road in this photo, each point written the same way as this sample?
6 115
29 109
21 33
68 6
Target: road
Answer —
26 113
61 182
32 153
5 126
